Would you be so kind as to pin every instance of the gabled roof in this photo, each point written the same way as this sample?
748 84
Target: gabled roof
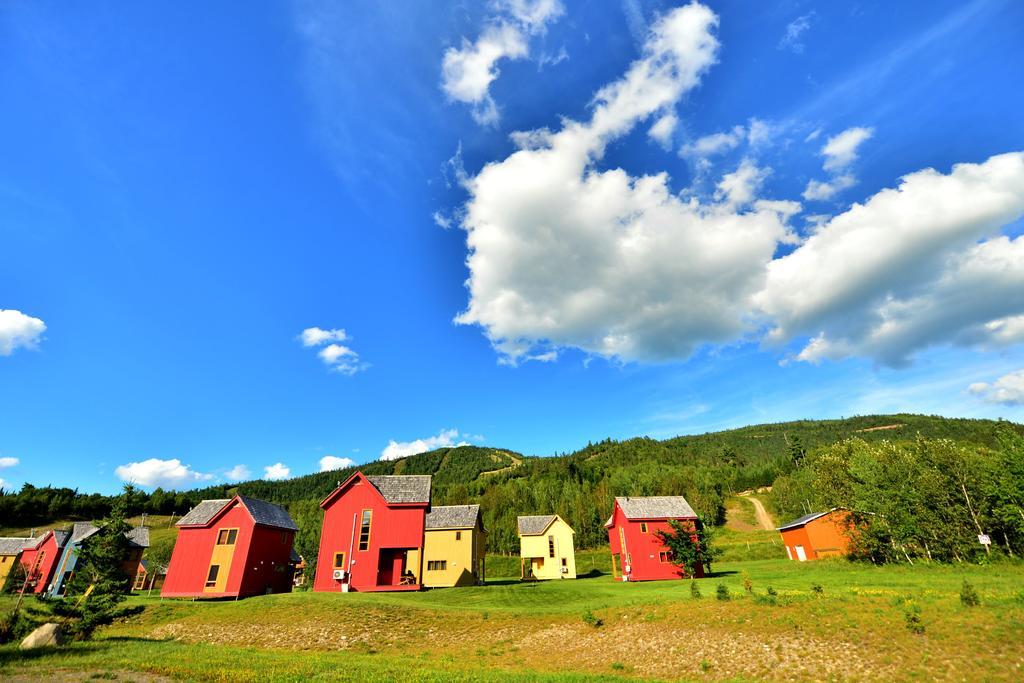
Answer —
13 545
203 513
137 536
453 517
801 521
655 507
403 488
534 525
262 512
268 514
60 537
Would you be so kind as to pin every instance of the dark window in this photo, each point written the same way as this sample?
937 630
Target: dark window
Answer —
227 536
437 565
339 560
211 578
643 527
551 546
665 556
458 535
364 530
565 562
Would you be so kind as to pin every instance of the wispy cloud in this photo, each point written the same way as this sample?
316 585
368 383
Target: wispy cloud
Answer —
444 439
792 39
335 355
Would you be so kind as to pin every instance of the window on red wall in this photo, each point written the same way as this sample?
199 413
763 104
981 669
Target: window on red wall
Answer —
665 556
643 527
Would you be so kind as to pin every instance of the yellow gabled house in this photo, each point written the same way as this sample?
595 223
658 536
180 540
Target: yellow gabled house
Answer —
546 548
454 543
10 551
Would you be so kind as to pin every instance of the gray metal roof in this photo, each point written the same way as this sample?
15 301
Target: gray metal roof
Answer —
13 545
655 507
82 530
203 513
800 521
268 514
453 517
532 525
403 488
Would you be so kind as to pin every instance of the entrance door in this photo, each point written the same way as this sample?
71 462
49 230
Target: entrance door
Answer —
800 554
392 565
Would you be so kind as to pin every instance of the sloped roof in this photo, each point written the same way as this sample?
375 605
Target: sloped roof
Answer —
138 536
800 521
264 513
203 513
532 525
13 545
453 517
268 514
403 488
61 537
655 507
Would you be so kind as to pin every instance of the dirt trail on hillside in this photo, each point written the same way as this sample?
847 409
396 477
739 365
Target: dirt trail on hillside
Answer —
763 518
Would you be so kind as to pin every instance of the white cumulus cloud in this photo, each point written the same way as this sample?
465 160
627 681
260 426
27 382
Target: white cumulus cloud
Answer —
468 71
238 473
8 461
908 268
1007 390
18 330
399 449
165 473
335 355
276 471
819 191
333 462
841 150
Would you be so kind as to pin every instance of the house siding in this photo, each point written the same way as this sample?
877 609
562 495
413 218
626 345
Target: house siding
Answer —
640 560
464 557
536 551
823 537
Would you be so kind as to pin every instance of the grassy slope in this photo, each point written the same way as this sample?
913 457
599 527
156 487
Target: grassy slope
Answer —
855 628
160 527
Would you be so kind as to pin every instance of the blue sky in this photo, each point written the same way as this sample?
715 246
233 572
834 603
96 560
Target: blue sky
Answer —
706 228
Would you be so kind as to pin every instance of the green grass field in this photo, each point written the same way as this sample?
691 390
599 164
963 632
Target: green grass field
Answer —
827 621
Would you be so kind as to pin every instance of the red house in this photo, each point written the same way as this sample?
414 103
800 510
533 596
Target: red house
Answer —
230 549
39 558
372 538
637 552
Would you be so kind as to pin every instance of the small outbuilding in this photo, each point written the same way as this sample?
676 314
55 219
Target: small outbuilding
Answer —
372 537
39 558
638 553
80 535
817 535
231 548
10 551
546 548
454 544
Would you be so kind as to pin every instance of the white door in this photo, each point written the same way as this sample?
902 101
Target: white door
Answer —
800 554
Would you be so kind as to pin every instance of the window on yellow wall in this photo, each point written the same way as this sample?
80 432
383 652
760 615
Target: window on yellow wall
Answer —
565 562
551 546
211 578
227 536
437 565
339 560
643 527
458 535
364 530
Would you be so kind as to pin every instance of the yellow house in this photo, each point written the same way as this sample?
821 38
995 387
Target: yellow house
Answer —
454 542
10 550
546 541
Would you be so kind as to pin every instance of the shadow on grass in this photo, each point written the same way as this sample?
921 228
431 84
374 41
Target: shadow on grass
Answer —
136 639
718 575
10 656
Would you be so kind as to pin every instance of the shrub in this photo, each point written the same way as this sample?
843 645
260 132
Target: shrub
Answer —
772 592
722 592
817 589
590 620
969 596
913 619
748 585
695 591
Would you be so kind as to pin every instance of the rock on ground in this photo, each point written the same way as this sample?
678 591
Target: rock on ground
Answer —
47 635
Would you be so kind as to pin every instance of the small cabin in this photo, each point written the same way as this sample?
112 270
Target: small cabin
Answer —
454 543
39 559
150 576
231 548
81 533
372 536
638 553
817 535
546 548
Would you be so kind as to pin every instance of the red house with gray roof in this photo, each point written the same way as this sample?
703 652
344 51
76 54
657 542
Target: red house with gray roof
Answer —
39 558
372 538
231 548
637 551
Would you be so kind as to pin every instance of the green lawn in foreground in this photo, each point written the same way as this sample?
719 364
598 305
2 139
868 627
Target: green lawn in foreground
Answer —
860 607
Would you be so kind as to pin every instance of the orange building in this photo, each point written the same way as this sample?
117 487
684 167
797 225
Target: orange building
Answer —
817 535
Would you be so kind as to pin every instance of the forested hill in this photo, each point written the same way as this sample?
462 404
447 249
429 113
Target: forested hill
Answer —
579 486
